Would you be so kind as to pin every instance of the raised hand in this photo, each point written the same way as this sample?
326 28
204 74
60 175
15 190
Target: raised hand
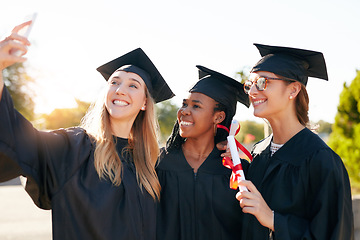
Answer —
13 44
9 49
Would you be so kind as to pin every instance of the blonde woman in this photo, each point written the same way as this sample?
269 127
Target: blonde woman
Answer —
98 179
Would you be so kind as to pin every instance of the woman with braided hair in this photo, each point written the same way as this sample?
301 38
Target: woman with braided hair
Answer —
196 200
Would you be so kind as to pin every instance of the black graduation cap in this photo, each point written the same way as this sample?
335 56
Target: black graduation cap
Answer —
293 63
138 62
222 89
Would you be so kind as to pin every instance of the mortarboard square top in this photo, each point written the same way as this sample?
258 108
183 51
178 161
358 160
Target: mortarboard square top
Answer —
293 63
222 89
138 62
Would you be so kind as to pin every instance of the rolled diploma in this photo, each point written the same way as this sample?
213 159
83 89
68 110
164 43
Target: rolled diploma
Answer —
235 158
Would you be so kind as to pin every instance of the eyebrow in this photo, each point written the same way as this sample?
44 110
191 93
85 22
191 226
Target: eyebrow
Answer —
133 79
194 101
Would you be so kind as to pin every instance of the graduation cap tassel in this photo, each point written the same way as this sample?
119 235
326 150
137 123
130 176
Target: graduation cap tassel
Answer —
235 164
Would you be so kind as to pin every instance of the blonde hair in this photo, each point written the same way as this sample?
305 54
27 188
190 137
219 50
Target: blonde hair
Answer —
143 145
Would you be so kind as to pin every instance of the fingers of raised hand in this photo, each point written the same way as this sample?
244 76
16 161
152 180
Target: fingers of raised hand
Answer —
17 28
16 37
12 50
9 44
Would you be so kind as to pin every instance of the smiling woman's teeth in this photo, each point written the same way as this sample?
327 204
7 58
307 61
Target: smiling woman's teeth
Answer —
120 103
259 101
186 123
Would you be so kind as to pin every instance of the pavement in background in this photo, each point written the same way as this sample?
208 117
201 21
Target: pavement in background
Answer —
20 219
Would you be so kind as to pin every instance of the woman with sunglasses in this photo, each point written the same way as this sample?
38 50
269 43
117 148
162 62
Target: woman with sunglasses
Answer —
298 187
99 180
196 200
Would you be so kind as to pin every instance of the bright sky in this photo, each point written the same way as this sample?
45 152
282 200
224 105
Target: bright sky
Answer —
71 38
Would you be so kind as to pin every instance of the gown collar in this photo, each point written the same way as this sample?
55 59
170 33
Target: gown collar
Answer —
293 152
176 161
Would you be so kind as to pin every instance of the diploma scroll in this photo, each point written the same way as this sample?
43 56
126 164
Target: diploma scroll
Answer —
239 173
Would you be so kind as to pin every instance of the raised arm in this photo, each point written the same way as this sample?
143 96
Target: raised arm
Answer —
8 47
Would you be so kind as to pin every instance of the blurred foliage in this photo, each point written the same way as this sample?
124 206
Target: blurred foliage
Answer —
167 114
243 74
250 132
66 117
345 136
19 84
324 127
69 117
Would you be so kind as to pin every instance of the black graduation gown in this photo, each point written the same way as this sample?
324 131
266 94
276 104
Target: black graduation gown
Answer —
307 186
201 207
61 176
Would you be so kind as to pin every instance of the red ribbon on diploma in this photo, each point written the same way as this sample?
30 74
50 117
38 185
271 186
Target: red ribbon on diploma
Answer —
235 174
227 162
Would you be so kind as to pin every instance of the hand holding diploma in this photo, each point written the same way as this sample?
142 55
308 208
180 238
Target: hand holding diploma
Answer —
253 203
250 199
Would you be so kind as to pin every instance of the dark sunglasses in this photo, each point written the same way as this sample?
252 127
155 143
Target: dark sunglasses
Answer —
261 83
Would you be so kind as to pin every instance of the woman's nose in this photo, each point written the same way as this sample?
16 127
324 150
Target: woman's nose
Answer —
120 89
253 90
185 111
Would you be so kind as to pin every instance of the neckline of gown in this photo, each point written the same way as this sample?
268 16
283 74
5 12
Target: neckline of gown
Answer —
120 144
210 164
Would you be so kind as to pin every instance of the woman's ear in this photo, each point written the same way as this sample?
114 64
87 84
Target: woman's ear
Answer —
143 108
295 88
219 117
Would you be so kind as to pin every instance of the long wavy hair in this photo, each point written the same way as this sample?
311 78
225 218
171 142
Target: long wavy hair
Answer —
143 145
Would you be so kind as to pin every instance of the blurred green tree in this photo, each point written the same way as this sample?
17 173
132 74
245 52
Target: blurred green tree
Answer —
19 84
256 131
70 117
324 127
66 117
345 136
243 74
167 114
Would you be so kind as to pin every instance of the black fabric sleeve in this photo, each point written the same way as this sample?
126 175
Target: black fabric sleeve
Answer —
47 159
